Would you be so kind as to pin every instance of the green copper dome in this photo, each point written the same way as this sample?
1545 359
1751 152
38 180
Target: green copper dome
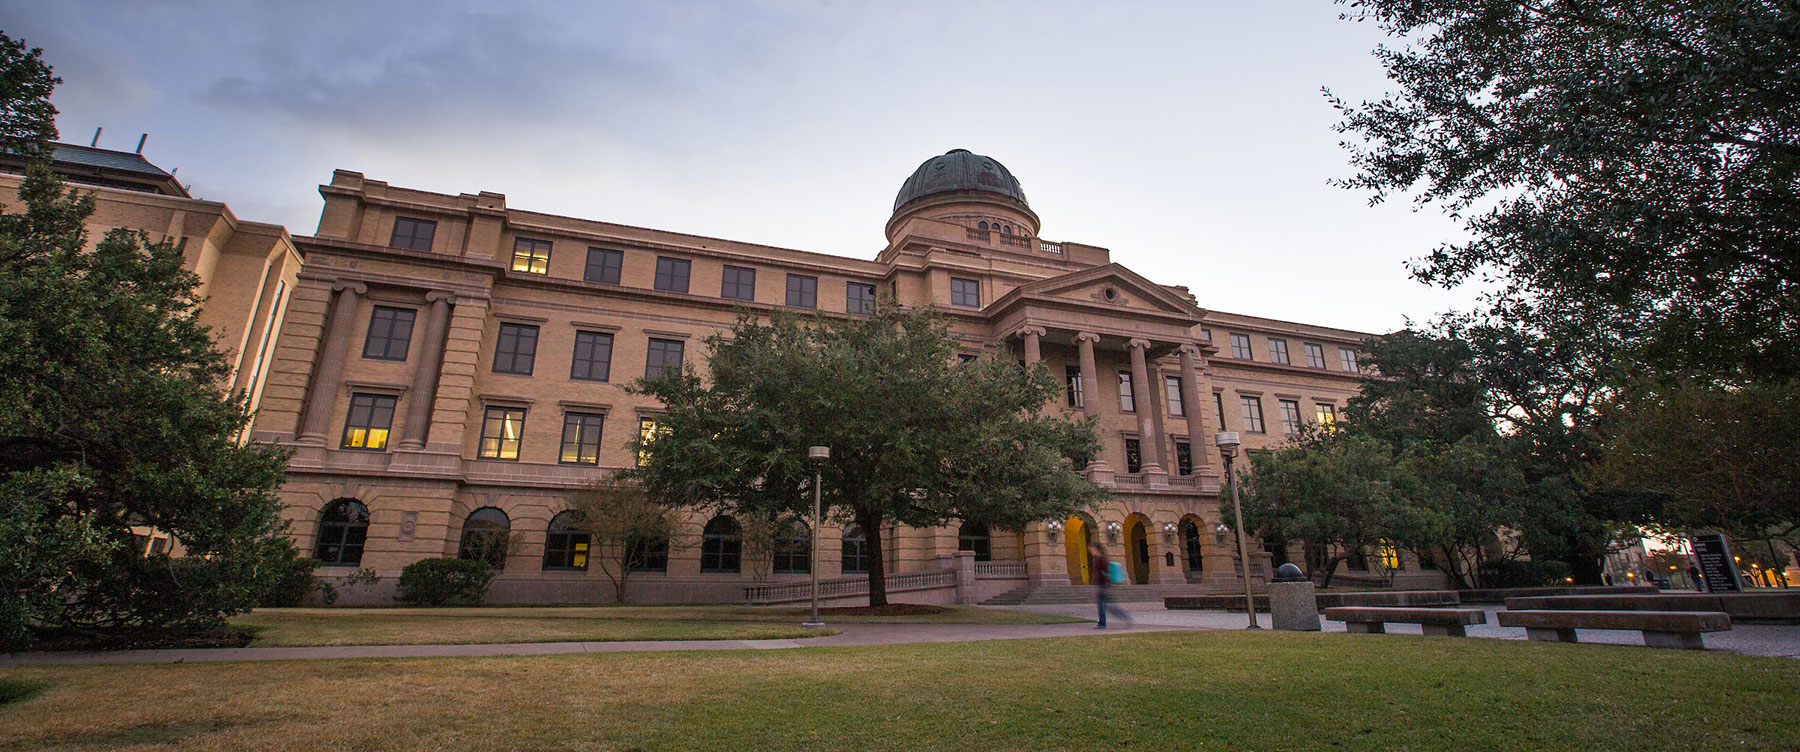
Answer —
959 170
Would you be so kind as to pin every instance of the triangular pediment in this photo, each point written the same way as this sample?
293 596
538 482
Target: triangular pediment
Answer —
1113 286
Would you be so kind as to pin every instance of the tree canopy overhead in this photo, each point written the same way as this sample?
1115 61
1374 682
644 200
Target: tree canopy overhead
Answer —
915 437
1626 165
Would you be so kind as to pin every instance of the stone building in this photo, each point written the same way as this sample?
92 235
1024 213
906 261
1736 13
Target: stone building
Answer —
448 368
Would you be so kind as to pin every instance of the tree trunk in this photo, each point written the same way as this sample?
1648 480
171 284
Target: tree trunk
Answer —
870 523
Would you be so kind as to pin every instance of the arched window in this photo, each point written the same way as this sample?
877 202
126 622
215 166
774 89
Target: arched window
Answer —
1006 230
647 554
721 546
856 551
973 536
485 536
1190 539
793 548
565 546
983 225
342 529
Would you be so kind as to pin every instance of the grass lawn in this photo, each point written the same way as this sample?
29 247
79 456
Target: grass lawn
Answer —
1168 690
287 627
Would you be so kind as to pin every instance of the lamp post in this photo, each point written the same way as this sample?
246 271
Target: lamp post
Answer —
1228 444
817 456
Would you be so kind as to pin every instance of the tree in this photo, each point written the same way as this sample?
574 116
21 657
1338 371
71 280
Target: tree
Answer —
1629 167
117 416
915 438
627 529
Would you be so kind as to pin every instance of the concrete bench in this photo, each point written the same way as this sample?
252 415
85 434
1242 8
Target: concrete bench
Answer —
1753 608
1439 622
1662 629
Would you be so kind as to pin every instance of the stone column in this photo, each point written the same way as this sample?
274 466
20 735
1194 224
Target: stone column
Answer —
1195 409
1146 412
425 376
332 356
1032 352
1097 470
1159 398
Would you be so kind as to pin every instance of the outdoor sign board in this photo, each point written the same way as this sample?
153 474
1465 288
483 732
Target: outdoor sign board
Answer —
1716 566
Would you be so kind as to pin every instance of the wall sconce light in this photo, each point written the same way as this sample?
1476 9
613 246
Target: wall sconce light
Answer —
1169 532
1054 528
1112 531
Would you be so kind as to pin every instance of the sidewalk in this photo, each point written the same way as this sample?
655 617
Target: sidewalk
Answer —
850 635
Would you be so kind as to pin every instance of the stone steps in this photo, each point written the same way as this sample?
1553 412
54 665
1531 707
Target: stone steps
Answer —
1029 595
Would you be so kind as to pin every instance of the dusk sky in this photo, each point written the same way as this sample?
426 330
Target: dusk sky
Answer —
1192 138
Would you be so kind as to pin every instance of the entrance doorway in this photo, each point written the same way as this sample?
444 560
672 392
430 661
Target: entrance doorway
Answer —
1076 532
1137 551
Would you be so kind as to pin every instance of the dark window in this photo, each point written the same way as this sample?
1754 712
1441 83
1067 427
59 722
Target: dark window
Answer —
1315 356
973 536
647 553
721 546
531 256
500 430
1277 551
1184 457
965 292
1190 540
1253 419
581 438
1172 392
515 349
342 529
1006 230
603 265
982 225
963 359
485 537
1219 405
1134 456
1290 417
802 291
672 274
1127 400
565 546
1072 377
793 548
1240 347
412 234
1278 351
1357 561
859 298
390 332
663 357
1347 359
855 559
738 283
371 418
593 357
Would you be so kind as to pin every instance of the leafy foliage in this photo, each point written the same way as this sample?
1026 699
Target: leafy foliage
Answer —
915 437
444 581
624 525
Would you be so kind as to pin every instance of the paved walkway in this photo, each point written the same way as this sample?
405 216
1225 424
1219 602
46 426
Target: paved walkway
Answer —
849 635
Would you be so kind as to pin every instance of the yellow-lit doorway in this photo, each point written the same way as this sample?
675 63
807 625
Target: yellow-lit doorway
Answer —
1075 539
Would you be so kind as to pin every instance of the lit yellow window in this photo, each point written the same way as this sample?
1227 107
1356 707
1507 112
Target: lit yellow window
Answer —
371 416
1390 555
648 430
531 256
1327 416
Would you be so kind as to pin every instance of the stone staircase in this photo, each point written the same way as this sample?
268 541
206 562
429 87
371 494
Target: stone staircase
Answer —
1029 595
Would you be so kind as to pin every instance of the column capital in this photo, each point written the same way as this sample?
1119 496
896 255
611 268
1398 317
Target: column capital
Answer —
1190 349
1031 330
350 285
1087 337
1139 343
444 295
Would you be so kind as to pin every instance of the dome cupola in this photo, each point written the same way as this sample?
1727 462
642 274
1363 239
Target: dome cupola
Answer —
968 189
960 170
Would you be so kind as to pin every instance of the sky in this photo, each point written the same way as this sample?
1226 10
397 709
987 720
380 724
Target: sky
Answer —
1190 138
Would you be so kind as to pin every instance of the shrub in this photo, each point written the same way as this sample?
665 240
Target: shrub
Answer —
1507 574
291 584
444 581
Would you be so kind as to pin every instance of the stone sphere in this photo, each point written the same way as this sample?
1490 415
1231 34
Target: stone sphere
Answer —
1289 573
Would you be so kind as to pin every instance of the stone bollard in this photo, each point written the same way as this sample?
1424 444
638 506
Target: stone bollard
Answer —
1292 602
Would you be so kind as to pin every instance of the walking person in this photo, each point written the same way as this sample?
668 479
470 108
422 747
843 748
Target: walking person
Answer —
1105 575
1694 576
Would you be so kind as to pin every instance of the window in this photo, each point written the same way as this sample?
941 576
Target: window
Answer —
1315 356
565 545
1390 556
1347 359
1190 540
485 537
1278 351
648 430
963 359
1277 550
1206 334
982 225
859 298
390 332
1326 415
672 274
531 256
371 417
1006 230
1184 457
1356 561
515 349
1240 347
500 430
593 357
1134 456
1219 406
647 553
965 292
342 529
739 283
721 546
1290 417
1072 377
412 234
1172 392
603 266
581 438
855 558
802 291
793 548
1127 400
663 357
1253 421
973 536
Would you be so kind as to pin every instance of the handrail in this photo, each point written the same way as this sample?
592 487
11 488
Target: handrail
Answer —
846 586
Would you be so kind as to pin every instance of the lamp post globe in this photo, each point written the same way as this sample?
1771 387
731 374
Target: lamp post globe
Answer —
1228 446
817 456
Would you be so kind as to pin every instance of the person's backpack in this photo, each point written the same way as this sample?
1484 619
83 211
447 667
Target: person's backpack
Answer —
1115 573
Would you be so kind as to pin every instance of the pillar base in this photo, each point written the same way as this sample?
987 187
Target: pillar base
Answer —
1155 477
